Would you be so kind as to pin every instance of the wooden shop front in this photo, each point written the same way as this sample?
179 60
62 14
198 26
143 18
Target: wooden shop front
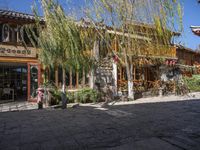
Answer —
20 73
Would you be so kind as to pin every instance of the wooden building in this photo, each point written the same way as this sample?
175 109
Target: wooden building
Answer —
20 70
188 60
148 63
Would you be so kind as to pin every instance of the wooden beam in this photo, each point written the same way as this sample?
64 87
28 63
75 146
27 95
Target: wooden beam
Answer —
39 75
134 36
18 60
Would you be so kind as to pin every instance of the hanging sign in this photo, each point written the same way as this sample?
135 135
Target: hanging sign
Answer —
18 51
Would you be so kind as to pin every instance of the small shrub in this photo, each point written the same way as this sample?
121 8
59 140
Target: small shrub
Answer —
85 95
71 97
193 83
55 93
56 97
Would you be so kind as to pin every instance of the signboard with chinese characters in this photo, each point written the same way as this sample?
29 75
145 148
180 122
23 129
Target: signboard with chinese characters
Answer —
17 51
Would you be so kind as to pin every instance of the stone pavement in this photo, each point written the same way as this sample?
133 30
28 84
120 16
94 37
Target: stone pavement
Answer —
17 106
172 125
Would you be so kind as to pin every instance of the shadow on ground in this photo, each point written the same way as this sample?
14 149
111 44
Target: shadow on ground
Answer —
152 126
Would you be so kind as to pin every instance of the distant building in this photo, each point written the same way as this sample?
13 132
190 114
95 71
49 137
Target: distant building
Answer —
196 30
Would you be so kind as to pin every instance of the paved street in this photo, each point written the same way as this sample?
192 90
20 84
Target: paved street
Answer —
146 126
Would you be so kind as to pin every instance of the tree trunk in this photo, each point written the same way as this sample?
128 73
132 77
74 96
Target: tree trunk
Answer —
56 75
114 78
63 94
96 50
129 70
70 78
130 83
91 79
83 79
64 80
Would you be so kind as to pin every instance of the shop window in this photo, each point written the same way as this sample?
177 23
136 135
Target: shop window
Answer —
6 33
20 35
12 33
9 33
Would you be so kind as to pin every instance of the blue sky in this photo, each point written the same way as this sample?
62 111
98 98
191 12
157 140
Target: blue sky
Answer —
191 16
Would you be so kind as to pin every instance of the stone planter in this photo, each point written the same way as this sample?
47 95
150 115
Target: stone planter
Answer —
40 105
64 100
138 95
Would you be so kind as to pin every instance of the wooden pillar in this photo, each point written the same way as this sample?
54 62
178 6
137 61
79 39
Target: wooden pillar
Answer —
29 82
120 73
70 78
134 72
49 74
123 73
145 74
56 75
77 79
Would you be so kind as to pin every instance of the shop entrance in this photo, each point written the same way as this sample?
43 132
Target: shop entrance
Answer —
13 82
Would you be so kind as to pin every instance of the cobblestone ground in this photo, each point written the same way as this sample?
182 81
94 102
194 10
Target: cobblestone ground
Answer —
153 126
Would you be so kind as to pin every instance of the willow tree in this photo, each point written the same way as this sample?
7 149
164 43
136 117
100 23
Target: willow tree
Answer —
122 15
59 39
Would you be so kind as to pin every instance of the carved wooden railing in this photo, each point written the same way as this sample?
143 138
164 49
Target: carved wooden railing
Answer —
160 51
139 85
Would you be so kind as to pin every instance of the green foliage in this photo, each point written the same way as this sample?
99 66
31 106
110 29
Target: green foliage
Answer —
53 90
193 83
56 97
71 97
85 95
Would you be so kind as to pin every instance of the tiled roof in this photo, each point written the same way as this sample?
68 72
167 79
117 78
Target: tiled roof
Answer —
17 15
